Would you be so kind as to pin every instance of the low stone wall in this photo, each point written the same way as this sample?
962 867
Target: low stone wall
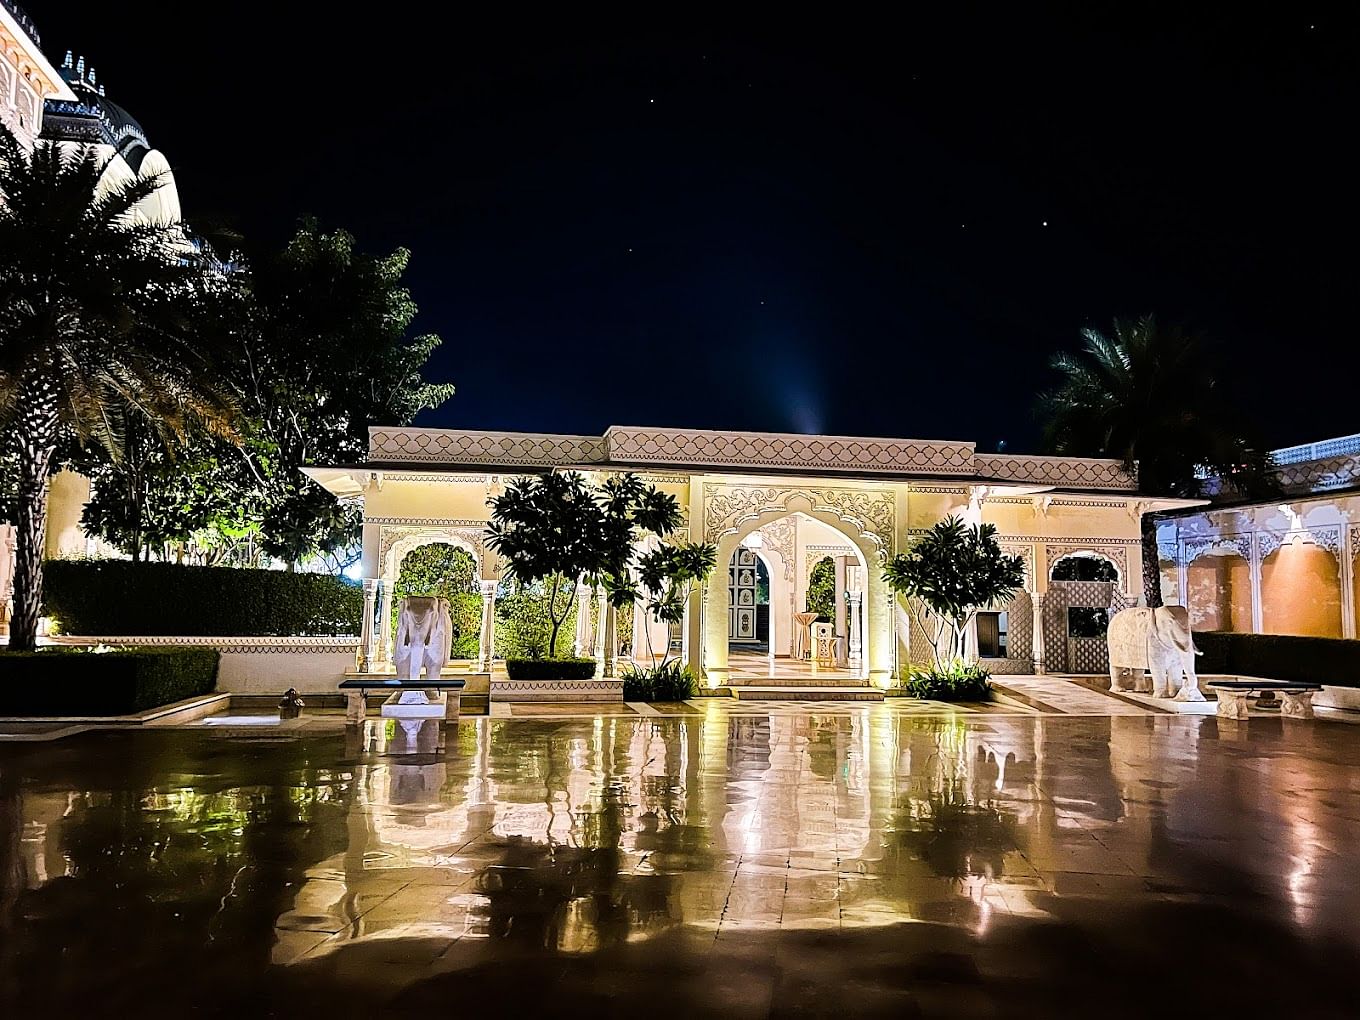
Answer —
564 691
261 665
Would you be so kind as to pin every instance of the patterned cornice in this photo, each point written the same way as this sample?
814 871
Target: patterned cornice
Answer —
1076 543
433 522
939 490
787 450
1320 475
501 449
1078 472
238 645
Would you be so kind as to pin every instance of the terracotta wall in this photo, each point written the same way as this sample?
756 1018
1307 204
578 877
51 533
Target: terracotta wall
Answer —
1300 592
1219 593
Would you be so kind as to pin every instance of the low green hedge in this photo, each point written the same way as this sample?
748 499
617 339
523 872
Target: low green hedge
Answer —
119 598
550 669
671 682
957 682
1332 661
79 681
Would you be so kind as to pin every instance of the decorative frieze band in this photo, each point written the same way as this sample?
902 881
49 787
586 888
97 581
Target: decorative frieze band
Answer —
502 449
787 450
234 645
1079 472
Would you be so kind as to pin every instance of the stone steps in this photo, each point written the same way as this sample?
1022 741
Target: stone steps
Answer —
805 680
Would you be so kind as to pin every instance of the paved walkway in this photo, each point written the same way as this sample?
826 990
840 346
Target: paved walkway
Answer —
850 861
1067 697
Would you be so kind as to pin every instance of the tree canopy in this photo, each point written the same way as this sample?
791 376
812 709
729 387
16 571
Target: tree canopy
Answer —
948 575
103 332
321 348
1147 395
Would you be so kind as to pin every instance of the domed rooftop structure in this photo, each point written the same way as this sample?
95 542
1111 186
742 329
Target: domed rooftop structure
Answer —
94 119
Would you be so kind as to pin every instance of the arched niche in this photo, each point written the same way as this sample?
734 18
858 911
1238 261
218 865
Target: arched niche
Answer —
395 547
1301 591
1218 591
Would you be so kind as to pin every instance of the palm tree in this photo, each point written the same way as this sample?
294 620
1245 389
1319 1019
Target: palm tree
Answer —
1146 394
95 318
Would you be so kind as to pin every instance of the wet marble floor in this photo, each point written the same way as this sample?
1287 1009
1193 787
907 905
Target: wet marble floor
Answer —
847 859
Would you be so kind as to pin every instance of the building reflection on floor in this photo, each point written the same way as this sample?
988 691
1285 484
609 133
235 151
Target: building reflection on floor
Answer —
758 859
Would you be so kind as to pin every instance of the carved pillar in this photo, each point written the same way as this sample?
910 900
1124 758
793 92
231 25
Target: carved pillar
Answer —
366 648
1257 616
1347 557
855 599
385 625
694 631
611 641
1038 641
840 630
598 646
581 645
486 640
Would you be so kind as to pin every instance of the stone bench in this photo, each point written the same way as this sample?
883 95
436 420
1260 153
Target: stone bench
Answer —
398 705
1234 695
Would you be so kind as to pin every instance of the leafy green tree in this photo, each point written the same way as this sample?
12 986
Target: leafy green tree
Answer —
558 531
98 328
1146 394
320 335
821 590
948 575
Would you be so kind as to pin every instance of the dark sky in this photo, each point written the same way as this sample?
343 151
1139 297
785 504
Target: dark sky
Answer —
834 225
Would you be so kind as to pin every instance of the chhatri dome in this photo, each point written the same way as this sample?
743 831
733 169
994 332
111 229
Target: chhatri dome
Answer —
94 119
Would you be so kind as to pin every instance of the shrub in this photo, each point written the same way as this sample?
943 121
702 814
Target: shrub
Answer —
550 669
673 681
1287 658
956 682
122 598
523 627
81 681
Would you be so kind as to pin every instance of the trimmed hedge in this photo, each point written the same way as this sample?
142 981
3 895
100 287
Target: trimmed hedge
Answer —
1332 661
119 598
550 669
78 681
672 682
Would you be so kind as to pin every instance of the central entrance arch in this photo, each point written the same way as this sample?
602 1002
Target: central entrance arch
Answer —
877 655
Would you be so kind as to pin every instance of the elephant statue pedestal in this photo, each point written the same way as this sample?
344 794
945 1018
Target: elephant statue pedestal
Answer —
1156 640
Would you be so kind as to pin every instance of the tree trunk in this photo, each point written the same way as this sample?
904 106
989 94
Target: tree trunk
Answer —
36 432
1152 567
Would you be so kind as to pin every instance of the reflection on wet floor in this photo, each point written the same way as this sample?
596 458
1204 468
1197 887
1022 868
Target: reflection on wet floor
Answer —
852 860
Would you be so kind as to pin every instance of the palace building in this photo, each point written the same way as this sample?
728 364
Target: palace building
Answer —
782 509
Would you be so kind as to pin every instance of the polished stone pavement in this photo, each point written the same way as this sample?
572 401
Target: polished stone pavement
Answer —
718 860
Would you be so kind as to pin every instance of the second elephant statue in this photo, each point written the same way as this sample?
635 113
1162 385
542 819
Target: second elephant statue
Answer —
1159 641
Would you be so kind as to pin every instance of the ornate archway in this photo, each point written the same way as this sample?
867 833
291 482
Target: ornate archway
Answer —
865 518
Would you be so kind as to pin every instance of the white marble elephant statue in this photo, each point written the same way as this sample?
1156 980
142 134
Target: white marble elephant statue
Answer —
424 637
1159 641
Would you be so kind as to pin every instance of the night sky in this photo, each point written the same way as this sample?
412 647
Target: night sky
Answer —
843 225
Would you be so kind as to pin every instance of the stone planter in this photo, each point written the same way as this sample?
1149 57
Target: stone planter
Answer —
564 691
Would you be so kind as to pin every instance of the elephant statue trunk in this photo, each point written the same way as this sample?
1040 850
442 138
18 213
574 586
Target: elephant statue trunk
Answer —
1159 641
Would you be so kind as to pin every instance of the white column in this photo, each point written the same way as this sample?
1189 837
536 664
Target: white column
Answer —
839 621
385 624
366 649
1038 639
611 640
1347 572
1257 617
856 597
581 645
598 645
486 641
